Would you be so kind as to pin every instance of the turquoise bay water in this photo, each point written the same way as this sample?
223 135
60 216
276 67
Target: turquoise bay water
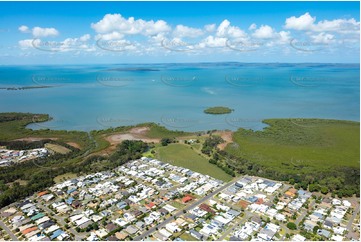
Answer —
175 95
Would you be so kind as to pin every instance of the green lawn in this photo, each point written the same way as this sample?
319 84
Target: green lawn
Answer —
148 154
177 204
183 155
57 148
65 176
187 237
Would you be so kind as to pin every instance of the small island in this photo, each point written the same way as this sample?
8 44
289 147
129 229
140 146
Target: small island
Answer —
218 110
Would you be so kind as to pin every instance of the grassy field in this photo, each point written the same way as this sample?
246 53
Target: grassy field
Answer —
295 146
177 204
148 154
183 155
187 237
102 143
57 148
65 176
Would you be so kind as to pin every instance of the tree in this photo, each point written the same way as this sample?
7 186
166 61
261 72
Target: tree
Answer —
313 187
324 190
95 226
304 185
291 226
166 141
315 229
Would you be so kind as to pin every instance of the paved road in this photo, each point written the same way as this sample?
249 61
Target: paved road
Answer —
350 222
231 229
283 190
61 221
287 231
190 207
304 213
12 236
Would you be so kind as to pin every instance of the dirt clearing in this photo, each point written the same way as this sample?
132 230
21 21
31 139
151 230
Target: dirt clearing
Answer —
226 136
138 133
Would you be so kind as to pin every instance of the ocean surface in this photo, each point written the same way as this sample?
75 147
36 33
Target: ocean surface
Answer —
174 95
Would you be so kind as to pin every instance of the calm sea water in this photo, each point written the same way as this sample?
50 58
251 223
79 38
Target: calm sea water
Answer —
175 95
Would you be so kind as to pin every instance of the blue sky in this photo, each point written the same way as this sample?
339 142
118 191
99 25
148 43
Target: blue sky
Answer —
146 32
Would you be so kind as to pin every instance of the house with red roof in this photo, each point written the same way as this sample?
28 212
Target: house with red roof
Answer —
150 205
187 198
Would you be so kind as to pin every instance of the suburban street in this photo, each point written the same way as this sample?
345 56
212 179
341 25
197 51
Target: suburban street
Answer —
61 221
12 236
231 229
350 222
190 207
287 231
303 213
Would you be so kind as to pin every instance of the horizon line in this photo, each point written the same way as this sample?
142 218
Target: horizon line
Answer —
158 63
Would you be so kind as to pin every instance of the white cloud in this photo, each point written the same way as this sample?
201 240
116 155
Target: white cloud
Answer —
323 38
76 44
308 23
68 44
24 29
264 32
44 32
273 37
110 36
252 26
117 23
338 25
153 28
235 32
284 37
157 38
138 36
85 37
26 43
210 27
226 30
185 31
222 28
304 22
118 45
212 41
39 32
